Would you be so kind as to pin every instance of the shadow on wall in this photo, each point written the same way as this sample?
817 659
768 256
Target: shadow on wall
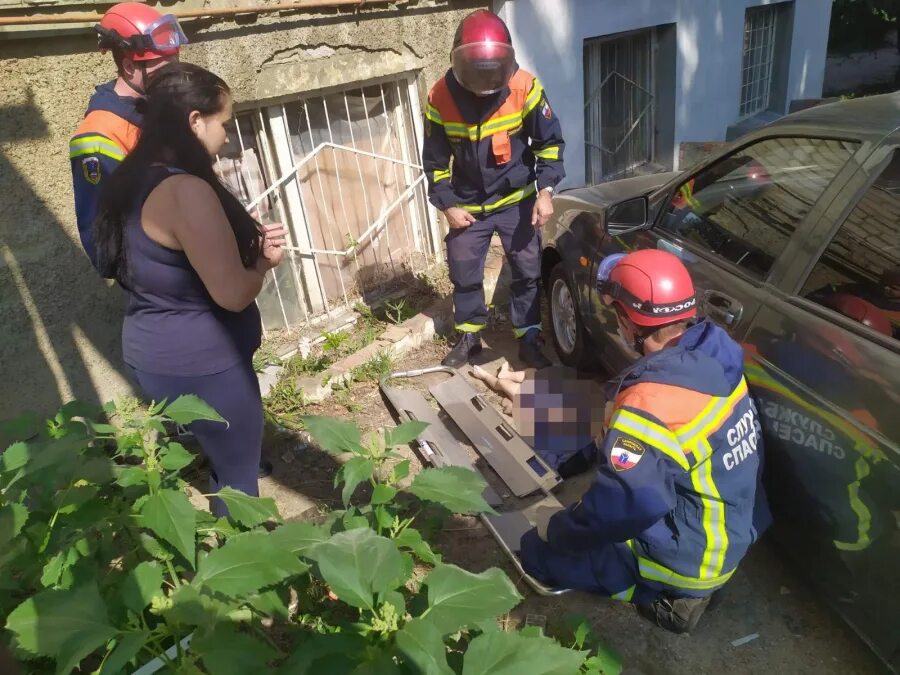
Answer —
61 321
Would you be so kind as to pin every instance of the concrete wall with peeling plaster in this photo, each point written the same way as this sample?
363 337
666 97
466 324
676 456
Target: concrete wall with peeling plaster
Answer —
59 323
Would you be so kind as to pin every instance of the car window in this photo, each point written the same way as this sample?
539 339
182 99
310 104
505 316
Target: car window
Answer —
745 207
858 274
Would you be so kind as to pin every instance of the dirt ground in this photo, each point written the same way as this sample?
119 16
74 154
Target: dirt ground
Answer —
796 634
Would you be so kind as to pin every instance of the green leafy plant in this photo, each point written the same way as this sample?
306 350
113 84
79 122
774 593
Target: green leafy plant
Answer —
375 368
333 341
265 356
106 564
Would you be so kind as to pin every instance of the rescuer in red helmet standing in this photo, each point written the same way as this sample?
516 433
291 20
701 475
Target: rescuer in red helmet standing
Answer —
141 40
676 500
495 122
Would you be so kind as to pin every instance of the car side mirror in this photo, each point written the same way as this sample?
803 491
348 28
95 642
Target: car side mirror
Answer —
627 216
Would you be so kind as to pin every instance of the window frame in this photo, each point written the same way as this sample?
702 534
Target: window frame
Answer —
768 81
880 159
804 227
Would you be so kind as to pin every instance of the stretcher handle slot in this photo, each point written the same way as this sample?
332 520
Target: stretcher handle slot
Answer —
505 431
478 403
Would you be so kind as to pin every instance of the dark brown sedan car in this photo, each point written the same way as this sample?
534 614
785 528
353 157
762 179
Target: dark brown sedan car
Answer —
792 236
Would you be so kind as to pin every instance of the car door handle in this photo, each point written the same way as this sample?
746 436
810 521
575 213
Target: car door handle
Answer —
721 307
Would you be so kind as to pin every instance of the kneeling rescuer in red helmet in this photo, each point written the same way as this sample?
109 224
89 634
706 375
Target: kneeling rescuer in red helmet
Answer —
676 500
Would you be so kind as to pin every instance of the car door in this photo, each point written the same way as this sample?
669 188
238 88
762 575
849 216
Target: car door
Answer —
730 222
824 365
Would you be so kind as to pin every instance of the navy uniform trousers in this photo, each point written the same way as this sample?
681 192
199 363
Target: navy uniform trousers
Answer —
466 252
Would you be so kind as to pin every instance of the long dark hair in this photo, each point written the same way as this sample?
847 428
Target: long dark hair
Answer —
166 138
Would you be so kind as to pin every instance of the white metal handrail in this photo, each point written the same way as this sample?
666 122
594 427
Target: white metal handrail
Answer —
321 146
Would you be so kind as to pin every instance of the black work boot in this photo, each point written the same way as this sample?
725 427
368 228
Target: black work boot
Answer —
531 350
467 346
679 615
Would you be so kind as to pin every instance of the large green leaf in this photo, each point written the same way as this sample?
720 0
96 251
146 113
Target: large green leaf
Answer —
127 648
513 654
132 475
423 645
246 510
457 598
357 564
176 457
50 620
140 585
412 539
225 651
170 515
12 519
57 570
355 471
298 537
190 607
189 408
334 436
403 433
246 564
340 649
454 487
383 494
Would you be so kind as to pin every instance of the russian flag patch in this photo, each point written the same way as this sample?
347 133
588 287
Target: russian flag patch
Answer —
625 454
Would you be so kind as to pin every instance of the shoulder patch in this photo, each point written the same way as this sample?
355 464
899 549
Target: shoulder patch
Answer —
546 110
90 167
625 454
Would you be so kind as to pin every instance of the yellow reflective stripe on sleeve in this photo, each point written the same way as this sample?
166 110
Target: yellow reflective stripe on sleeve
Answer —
95 145
520 332
469 327
441 175
689 197
534 97
712 416
650 433
653 571
432 114
624 596
551 153
509 199
862 512
713 515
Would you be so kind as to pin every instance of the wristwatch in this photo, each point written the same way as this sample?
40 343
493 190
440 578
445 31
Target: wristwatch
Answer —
549 190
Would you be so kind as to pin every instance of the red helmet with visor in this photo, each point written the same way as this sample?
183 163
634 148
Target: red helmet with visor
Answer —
141 31
483 59
652 287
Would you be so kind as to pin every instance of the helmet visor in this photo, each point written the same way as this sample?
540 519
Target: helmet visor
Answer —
483 68
164 36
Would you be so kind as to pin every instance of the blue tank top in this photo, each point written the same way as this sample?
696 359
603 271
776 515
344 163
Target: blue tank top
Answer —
172 325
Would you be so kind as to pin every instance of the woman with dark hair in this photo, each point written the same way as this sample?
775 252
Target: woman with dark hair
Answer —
192 261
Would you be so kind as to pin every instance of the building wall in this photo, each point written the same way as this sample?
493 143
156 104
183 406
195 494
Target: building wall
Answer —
549 36
60 335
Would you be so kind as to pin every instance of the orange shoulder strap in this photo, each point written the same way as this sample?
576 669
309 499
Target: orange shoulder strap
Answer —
441 99
117 129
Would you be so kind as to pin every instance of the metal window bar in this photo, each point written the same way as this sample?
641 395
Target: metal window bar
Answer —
394 134
760 27
387 230
240 136
619 105
407 139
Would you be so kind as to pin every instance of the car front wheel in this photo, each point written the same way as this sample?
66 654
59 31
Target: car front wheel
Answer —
569 336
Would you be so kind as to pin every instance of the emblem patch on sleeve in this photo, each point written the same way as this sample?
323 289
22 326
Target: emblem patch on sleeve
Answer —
90 167
625 454
546 110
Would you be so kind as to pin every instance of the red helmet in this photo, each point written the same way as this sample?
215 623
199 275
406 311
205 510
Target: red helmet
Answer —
861 310
483 58
141 31
652 287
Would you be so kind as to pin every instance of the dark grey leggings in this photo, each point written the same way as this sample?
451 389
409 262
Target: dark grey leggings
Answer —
233 449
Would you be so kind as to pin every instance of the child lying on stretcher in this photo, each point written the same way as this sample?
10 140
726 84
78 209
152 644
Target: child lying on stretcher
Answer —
558 413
